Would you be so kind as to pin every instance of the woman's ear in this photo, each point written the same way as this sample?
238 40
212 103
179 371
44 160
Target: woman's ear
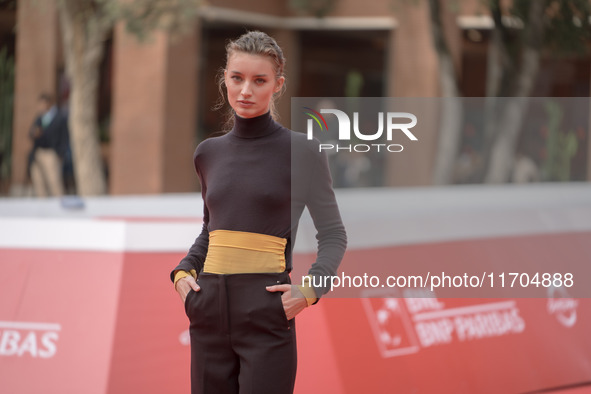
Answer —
279 84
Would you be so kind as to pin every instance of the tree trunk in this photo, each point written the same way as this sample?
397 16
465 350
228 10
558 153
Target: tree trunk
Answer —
496 57
83 35
521 83
449 137
503 150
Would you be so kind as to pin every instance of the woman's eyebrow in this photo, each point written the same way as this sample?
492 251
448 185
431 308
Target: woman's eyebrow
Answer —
239 73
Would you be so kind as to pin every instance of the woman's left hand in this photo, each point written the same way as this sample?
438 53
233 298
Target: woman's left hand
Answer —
292 305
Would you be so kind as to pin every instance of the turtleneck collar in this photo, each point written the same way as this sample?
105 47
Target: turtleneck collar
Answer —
258 126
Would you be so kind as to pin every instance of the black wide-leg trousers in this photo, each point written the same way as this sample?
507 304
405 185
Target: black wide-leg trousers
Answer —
241 340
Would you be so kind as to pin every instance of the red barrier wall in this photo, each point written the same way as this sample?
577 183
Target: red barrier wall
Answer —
87 307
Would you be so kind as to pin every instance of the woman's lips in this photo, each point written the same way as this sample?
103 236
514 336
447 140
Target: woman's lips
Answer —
245 103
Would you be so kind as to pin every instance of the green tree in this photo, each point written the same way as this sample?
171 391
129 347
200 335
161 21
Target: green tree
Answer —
561 146
85 25
523 30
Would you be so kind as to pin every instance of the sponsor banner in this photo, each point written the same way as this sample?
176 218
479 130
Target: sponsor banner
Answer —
90 322
435 345
57 320
129 334
403 340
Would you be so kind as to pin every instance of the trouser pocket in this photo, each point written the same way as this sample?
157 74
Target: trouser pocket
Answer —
252 306
278 309
188 300
202 306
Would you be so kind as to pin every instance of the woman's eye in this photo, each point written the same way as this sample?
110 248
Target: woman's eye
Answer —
260 81
236 78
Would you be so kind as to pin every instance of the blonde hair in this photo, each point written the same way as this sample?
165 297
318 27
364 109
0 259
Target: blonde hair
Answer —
253 43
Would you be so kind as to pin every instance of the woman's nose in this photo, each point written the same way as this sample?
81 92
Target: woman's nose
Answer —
246 91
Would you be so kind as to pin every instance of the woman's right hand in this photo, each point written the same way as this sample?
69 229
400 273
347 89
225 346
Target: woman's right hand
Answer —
184 285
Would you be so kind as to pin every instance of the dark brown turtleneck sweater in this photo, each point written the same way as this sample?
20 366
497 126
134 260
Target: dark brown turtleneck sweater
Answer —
258 178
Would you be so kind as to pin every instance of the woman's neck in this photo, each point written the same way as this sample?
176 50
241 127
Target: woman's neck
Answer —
259 126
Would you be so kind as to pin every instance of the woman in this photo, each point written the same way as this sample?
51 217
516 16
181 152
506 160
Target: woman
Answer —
235 280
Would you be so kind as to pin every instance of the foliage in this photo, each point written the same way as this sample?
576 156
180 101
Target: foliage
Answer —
144 16
561 146
566 23
140 16
318 8
561 29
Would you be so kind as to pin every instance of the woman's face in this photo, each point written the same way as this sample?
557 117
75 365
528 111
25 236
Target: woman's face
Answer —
250 84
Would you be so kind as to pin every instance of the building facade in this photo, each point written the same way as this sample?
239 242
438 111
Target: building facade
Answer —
156 96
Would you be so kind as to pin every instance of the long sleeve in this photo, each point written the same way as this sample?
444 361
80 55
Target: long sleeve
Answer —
197 252
34 129
324 210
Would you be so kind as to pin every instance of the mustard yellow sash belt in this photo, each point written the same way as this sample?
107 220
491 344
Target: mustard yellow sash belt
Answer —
238 252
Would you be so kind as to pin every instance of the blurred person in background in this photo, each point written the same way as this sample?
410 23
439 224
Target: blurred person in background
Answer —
235 281
49 134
